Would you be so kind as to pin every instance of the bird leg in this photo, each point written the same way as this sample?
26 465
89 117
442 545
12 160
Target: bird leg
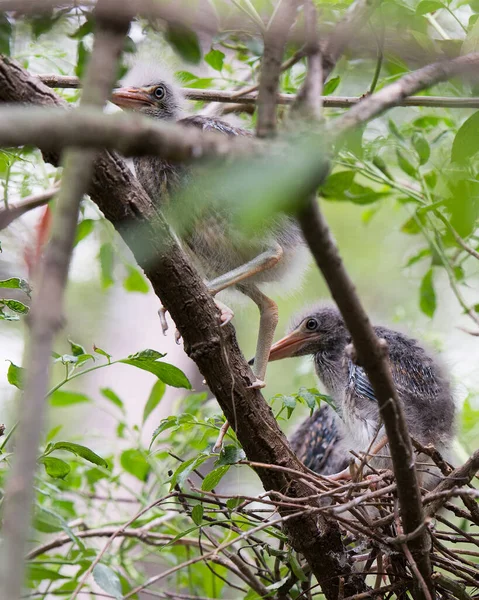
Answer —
268 320
264 261
162 314
346 474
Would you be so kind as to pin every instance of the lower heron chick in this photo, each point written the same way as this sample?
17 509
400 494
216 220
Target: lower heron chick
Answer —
422 387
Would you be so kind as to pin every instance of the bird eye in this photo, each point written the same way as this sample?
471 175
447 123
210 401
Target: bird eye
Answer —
159 92
311 324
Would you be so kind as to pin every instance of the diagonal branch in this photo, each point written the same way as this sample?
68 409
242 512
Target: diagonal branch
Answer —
46 314
373 359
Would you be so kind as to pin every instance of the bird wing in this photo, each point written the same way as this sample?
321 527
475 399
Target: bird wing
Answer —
411 369
213 124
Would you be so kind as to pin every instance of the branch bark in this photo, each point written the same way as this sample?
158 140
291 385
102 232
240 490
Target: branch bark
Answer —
46 313
249 97
373 359
274 45
214 349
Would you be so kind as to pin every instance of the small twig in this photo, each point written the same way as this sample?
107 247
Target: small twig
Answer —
452 586
15 211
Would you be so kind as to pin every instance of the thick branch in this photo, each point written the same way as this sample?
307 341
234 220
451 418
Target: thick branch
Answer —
52 129
46 314
214 349
373 357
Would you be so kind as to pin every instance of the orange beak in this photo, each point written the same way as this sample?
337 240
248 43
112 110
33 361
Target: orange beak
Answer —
130 97
288 346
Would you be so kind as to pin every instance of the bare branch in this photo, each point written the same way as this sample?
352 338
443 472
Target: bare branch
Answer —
249 97
458 478
15 211
46 314
274 44
372 106
373 359
52 129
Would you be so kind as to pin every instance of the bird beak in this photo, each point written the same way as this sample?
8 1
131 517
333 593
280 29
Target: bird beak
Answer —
288 346
130 97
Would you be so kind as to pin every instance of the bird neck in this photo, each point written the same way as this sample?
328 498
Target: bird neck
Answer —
329 365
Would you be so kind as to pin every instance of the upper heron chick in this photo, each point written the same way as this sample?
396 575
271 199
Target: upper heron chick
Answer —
422 387
226 256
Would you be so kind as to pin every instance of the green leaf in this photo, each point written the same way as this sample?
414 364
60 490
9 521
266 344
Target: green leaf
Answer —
110 395
83 56
106 256
331 86
197 514
135 463
38 573
43 23
108 580
77 349
84 29
15 283
169 374
5 35
337 183
422 147
184 41
215 59
289 402
404 164
466 141
418 256
81 451
53 432
165 424
427 6
135 281
156 394
64 398
16 376
84 229
182 472
411 226
230 455
55 467
296 568
427 300
310 397
233 503
213 478
102 352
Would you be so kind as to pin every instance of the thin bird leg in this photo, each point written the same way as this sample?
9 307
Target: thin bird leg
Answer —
268 311
264 261
267 325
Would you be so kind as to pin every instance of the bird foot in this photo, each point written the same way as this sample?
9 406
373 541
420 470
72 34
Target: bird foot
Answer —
226 314
344 475
162 314
258 384
219 442
162 311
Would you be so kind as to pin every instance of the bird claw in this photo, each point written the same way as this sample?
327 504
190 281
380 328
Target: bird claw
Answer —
177 337
256 385
162 314
221 436
226 314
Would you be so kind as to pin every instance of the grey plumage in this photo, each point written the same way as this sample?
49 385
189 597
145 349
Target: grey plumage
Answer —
422 386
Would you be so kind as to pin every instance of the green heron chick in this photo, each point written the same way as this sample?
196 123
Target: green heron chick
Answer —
422 387
225 256
319 442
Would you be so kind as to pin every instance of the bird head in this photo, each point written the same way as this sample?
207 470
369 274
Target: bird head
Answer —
320 329
150 90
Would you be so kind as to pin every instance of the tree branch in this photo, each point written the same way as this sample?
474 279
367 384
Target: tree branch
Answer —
458 478
52 129
373 359
15 211
274 44
249 97
46 313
